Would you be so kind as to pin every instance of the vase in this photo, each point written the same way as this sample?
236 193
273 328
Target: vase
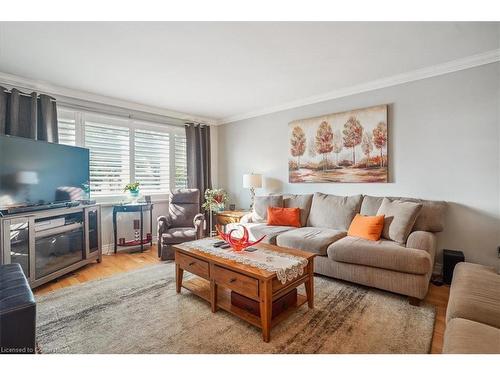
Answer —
133 195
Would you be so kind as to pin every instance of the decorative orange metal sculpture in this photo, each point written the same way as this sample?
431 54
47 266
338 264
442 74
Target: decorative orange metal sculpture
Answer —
238 244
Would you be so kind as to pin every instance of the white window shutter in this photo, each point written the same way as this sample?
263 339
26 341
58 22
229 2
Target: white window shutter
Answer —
152 161
109 158
180 163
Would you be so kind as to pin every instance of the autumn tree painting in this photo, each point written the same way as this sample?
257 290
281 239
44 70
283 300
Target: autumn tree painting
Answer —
353 132
367 147
324 141
380 139
337 145
349 146
298 143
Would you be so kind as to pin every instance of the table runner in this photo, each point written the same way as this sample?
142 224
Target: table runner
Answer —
286 266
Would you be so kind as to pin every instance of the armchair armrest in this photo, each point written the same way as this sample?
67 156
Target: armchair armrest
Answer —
199 225
164 223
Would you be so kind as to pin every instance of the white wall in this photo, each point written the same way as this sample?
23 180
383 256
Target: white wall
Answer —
444 144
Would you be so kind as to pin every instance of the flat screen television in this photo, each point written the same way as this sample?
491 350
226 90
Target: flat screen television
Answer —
36 173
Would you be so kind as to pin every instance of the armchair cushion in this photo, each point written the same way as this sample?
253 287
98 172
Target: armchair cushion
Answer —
178 235
183 206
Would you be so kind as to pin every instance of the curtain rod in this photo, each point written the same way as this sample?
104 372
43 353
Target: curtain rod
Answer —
7 91
122 112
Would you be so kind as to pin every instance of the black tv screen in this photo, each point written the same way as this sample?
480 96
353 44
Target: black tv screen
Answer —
40 173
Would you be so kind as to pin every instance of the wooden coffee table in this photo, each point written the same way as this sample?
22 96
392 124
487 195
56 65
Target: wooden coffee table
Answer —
217 277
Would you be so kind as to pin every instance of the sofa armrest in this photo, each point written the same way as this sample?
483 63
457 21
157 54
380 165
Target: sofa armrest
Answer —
247 218
424 241
199 225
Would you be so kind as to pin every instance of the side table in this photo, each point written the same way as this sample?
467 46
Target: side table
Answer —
226 217
134 207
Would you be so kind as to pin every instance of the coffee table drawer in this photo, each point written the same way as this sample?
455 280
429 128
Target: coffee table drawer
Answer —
238 282
193 265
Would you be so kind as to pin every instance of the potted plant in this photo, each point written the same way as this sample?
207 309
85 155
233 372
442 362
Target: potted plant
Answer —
215 200
133 190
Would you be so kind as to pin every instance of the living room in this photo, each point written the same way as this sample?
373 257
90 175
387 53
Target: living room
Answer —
250 187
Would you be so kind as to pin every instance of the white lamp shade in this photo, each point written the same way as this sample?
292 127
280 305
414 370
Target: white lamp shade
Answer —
252 181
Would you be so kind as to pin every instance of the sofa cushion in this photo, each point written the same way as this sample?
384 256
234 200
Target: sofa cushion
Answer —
332 211
261 203
399 218
475 294
367 227
283 216
430 219
314 240
301 201
178 235
257 230
464 336
381 254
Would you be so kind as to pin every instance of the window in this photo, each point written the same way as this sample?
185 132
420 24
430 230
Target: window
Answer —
180 161
124 150
151 157
109 157
67 128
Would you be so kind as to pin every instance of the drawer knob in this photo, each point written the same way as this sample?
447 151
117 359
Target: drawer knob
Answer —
232 280
192 263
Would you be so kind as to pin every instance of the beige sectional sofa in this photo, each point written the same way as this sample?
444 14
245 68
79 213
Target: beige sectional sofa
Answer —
400 267
473 313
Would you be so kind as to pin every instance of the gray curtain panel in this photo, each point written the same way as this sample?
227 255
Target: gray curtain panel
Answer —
198 158
28 115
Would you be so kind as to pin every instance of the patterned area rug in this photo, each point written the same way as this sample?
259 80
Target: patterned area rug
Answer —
139 312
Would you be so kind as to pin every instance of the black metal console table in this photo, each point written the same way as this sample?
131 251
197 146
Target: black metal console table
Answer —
134 207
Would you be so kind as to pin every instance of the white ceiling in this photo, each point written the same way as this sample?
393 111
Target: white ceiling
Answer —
224 69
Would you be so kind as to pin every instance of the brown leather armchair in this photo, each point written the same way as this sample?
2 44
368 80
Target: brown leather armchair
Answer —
184 221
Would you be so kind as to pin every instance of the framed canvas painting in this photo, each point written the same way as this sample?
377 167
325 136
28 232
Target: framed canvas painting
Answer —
340 147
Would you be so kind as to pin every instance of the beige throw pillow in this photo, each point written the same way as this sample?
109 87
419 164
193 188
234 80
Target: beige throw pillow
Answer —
302 201
399 219
333 211
261 203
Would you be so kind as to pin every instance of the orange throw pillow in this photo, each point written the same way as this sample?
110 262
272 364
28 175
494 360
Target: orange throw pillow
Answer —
367 227
289 217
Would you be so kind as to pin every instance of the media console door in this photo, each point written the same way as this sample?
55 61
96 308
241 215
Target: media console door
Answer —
18 237
93 241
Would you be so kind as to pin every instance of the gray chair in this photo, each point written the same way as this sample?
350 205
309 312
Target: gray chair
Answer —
184 221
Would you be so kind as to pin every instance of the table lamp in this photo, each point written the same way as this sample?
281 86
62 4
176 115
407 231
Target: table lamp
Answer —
252 181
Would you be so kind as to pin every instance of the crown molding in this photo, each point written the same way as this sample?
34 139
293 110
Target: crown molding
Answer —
398 79
76 97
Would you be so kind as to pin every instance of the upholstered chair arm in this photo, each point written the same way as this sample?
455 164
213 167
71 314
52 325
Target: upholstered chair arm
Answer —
247 218
164 223
424 241
198 223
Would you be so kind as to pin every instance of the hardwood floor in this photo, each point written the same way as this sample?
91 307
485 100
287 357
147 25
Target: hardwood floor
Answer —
113 264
